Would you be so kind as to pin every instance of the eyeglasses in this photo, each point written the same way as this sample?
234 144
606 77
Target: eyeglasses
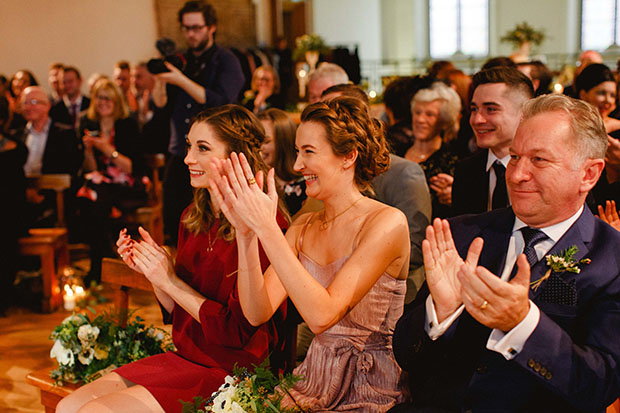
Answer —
33 102
195 28
104 98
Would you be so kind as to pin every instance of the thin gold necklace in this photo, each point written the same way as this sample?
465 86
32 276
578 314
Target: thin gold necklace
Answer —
210 243
323 225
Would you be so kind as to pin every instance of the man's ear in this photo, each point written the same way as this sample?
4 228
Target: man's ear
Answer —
349 159
592 169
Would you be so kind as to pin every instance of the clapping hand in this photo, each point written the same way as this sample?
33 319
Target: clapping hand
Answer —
442 185
442 263
240 195
610 214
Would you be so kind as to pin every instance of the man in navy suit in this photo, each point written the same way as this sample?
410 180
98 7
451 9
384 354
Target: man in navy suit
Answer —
67 110
499 331
498 95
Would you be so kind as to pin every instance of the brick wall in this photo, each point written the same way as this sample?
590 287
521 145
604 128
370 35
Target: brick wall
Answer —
236 25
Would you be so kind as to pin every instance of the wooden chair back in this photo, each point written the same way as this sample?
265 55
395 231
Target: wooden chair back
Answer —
57 183
154 162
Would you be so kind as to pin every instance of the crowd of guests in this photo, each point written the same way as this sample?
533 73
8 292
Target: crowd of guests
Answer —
339 223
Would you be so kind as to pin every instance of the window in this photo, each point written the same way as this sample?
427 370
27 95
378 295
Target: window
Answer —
599 24
458 26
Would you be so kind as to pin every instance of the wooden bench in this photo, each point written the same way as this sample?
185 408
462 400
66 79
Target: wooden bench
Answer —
51 394
50 244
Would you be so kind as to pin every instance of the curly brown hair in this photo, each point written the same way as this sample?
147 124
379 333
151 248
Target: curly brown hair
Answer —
243 133
349 126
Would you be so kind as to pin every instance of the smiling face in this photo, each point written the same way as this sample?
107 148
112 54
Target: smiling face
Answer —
547 183
35 105
602 97
268 147
322 169
104 103
425 116
202 146
264 81
71 84
495 115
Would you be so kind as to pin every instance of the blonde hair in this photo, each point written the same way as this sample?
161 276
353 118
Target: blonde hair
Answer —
121 110
268 69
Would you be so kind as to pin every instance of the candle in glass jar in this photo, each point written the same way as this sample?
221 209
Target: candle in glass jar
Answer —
69 298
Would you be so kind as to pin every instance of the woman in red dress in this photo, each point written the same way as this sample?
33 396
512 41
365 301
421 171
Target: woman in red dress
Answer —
198 294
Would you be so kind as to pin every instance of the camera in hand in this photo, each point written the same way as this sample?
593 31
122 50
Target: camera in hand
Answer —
168 50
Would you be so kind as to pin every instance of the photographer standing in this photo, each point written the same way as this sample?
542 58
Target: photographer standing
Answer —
209 76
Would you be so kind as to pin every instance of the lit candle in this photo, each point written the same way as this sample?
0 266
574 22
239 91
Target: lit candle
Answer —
69 298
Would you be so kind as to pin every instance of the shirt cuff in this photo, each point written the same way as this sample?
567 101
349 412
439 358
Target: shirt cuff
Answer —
511 343
433 328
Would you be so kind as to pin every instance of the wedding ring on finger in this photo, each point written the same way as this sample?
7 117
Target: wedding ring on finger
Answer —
484 305
251 181
121 255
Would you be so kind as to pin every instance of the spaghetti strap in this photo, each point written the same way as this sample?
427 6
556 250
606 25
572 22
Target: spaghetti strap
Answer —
300 240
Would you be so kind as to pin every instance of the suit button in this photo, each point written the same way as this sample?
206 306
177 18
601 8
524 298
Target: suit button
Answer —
543 371
186 121
537 367
482 369
188 106
530 363
548 375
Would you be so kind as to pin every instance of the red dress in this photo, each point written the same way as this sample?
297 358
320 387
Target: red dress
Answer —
206 351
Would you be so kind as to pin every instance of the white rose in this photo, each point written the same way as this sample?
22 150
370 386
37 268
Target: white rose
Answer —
62 354
236 408
86 356
88 333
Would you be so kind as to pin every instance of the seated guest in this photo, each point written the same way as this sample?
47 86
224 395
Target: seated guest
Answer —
324 76
154 121
13 194
53 148
68 109
265 91
344 267
122 77
479 183
435 119
485 340
112 167
539 74
54 79
278 152
20 81
586 58
439 69
198 293
596 85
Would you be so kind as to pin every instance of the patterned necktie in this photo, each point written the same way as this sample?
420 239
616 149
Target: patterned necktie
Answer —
500 196
74 112
532 236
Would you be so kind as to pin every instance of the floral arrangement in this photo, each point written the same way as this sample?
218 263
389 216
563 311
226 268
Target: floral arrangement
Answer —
86 349
257 392
524 33
309 43
563 262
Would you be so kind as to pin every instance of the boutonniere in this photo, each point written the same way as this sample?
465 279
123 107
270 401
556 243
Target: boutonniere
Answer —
563 262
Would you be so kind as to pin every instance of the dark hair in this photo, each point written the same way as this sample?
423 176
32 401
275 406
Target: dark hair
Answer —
349 126
4 110
123 65
500 61
440 69
284 142
199 6
242 132
510 76
539 71
346 89
399 92
31 79
74 70
593 75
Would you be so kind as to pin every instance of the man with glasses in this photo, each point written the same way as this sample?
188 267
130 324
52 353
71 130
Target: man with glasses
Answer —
211 76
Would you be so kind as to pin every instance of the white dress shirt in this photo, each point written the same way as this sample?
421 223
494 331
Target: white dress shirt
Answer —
35 141
508 344
491 158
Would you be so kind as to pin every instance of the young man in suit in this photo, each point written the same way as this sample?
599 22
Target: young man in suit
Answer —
67 110
479 184
499 331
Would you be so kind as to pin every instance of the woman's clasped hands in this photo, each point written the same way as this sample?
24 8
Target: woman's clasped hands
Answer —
146 257
239 194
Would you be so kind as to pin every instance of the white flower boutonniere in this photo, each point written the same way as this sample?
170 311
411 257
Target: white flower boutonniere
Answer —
563 262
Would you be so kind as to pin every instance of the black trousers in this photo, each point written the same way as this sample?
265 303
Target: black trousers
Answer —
177 196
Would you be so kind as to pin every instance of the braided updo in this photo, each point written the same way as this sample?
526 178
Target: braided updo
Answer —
349 126
242 132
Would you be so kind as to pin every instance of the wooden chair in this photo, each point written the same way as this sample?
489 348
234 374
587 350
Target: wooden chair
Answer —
150 216
50 244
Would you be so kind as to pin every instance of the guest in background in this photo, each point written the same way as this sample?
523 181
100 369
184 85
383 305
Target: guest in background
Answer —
92 79
278 152
539 74
265 92
439 69
122 77
198 293
13 195
54 79
324 76
465 143
596 85
435 115
19 81
112 167
154 121
586 58
73 103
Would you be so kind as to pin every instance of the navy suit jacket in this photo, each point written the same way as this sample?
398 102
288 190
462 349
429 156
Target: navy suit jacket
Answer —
470 190
59 112
571 361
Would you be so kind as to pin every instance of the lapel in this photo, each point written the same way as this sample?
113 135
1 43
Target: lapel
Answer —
480 181
579 234
496 237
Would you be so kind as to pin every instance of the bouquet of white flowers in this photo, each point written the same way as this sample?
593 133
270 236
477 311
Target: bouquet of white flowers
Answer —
86 349
245 392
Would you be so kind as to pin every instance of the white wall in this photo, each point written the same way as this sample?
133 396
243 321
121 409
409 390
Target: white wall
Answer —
89 34
350 22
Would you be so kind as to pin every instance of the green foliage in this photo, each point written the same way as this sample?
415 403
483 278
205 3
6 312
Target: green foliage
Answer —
258 392
308 43
524 33
85 348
